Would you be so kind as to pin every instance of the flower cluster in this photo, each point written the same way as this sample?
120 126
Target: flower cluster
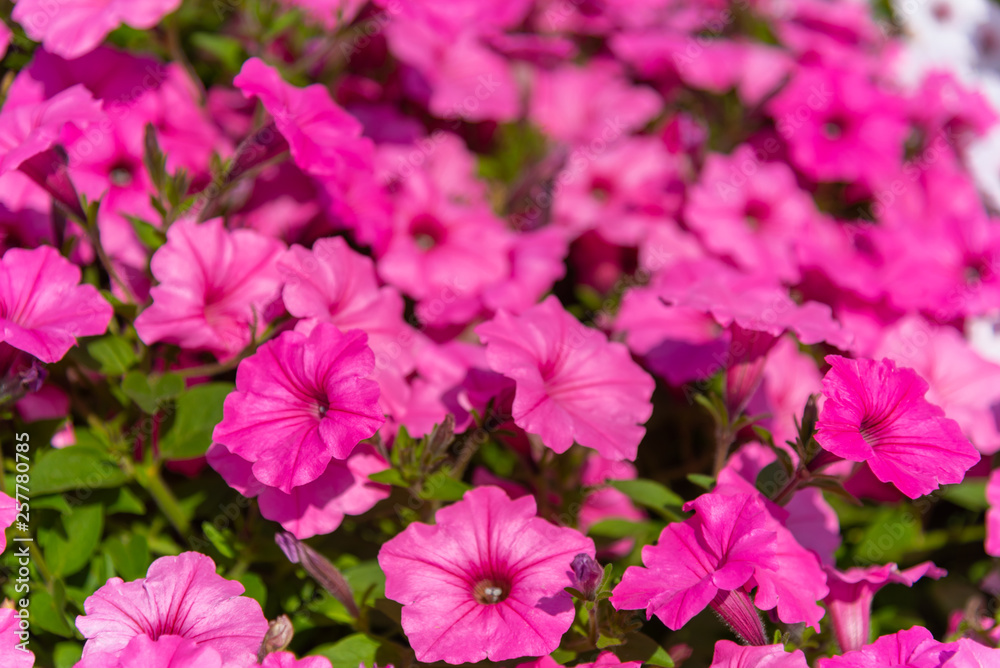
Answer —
549 324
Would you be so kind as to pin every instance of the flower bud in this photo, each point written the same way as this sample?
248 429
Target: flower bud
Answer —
589 575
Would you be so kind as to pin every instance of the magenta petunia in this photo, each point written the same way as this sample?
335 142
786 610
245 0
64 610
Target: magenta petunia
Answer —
876 413
317 507
216 288
43 308
11 656
486 582
8 513
72 28
288 660
324 139
572 384
166 651
180 596
993 514
851 592
301 401
715 558
26 130
916 648
730 655
604 660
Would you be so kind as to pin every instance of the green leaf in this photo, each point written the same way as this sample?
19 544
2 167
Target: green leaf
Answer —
68 550
227 50
150 236
647 493
46 615
66 654
970 494
350 651
77 467
703 481
389 477
254 586
149 392
125 501
616 528
640 647
440 486
198 411
218 539
113 353
605 641
129 553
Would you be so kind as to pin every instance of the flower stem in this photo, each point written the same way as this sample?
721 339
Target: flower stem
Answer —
149 477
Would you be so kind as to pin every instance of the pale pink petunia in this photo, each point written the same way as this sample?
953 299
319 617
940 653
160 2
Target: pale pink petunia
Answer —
993 514
43 308
572 384
180 596
72 28
851 592
10 655
730 655
486 582
30 129
301 401
216 288
876 413
165 651
715 558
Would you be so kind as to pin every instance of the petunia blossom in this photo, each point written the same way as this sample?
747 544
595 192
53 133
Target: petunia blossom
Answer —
43 308
851 592
571 383
916 648
8 513
485 582
301 401
166 651
180 596
288 660
216 287
715 558
876 413
28 130
993 514
11 656
730 655
72 28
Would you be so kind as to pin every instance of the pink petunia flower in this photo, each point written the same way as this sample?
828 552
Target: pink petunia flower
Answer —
604 660
332 283
215 289
8 513
166 651
993 514
317 507
485 582
851 592
5 37
876 413
180 596
916 648
571 383
43 309
730 655
715 558
301 401
288 660
71 28
10 655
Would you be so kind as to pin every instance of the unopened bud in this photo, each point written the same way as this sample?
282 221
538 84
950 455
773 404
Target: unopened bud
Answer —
589 575
278 637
